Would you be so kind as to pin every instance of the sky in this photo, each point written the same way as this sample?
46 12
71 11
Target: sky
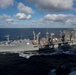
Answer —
37 13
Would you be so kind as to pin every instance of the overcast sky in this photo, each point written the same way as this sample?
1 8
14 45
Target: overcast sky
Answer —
37 13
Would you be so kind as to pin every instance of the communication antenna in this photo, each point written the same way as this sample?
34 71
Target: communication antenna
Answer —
47 35
51 35
60 34
7 36
38 38
34 35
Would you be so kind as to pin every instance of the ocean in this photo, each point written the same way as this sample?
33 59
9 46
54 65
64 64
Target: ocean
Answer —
13 64
27 33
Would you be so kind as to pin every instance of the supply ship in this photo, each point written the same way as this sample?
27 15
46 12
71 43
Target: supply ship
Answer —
49 42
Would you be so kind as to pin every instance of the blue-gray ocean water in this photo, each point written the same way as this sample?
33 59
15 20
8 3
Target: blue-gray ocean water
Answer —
27 33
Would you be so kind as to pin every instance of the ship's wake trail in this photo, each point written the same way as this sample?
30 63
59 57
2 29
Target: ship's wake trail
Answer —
27 56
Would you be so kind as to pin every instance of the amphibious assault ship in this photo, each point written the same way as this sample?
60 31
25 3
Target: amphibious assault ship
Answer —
47 43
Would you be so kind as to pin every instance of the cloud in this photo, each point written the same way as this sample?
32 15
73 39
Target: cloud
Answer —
53 5
6 18
29 17
22 16
74 0
55 20
9 20
58 17
6 3
0 24
21 7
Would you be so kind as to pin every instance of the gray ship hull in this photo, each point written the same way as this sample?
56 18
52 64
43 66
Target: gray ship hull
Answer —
18 46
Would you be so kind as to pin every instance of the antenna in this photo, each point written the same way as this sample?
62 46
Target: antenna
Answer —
51 35
63 37
38 38
34 35
47 35
60 34
7 36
